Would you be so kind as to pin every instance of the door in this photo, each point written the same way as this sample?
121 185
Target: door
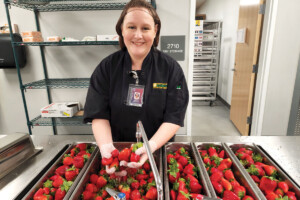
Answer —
246 56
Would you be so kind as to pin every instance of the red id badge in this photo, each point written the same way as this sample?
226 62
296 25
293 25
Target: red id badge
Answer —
135 95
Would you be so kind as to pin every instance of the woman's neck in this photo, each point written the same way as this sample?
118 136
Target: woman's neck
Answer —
137 64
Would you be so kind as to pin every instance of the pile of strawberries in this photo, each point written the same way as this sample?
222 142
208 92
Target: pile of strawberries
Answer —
138 184
265 176
183 177
60 182
218 166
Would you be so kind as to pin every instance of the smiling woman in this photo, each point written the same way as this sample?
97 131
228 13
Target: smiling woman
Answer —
136 83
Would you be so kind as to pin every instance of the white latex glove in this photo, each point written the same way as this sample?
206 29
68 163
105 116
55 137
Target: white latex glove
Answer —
110 170
106 150
121 173
144 157
123 163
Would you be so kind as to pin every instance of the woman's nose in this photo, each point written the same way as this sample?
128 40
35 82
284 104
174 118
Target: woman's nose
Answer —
138 33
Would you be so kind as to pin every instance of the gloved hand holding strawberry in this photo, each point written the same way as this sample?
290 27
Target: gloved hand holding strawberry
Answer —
139 155
109 157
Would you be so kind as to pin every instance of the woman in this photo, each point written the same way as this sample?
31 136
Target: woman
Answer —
136 83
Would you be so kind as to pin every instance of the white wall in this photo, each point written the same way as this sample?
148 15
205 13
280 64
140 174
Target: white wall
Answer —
70 62
284 62
227 12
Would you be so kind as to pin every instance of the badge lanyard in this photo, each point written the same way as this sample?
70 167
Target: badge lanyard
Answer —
135 92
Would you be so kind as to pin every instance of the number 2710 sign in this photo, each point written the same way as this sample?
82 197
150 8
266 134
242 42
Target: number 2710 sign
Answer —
173 46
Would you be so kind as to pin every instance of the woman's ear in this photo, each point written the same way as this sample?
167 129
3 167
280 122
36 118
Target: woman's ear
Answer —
156 28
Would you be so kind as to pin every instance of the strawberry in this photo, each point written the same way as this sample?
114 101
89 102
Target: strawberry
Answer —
228 174
115 163
195 187
101 182
272 196
190 169
134 157
78 162
107 161
270 170
279 192
146 166
91 187
125 189
170 157
212 152
242 149
135 194
142 177
143 183
241 155
74 151
206 160
249 160
82 146
191 178
222 167
229 195
196 196
216 176
124 155
173 194
247 198
98 198
60 194
58 182
61 170
267 184
226 184
256 170
48 184
68 161
115 153
249 152
53 191
257 157
234 183
94 178
71 174
240 191
221 154
182 160
255 178
227 162
38 193
218 187
183 196
87 195
135 185
291 195
203 153
284 186
46 190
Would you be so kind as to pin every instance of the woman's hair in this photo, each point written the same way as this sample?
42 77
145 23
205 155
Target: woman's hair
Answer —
138 4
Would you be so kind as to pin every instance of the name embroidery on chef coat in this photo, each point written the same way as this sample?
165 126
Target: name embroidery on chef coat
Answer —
160 86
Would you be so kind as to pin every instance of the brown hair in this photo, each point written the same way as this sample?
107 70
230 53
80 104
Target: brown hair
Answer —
138 4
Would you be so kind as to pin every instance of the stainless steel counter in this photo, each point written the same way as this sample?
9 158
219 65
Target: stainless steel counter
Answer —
283 149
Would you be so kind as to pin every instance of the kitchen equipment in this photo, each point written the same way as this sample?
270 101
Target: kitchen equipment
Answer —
116 195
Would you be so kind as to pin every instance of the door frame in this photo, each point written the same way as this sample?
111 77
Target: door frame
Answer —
264 64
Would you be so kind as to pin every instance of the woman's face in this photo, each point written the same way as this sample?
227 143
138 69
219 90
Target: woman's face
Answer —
138 31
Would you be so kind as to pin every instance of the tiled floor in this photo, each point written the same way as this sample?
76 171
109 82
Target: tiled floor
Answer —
212 121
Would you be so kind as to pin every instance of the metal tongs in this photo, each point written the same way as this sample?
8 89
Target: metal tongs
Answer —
115 195
140 133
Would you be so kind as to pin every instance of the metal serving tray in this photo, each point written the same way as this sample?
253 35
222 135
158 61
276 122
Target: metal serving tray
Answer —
237 170
94 167
51 171
14 150
233 147
174 146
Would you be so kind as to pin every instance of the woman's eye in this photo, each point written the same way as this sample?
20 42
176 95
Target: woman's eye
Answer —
146 28
131 27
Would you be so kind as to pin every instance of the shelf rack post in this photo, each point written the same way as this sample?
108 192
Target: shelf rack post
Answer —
7 5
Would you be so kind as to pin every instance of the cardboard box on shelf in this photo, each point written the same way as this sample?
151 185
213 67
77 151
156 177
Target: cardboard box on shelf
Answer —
65 109
32 39
5 28
53 39
31 34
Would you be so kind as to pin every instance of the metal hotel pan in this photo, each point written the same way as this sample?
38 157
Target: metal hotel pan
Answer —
174 146
51 171
235 167
266 160
94 167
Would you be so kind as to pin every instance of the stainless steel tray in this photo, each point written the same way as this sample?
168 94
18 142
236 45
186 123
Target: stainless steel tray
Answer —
266 160
51 170
14 150
174 146
237 170
95 166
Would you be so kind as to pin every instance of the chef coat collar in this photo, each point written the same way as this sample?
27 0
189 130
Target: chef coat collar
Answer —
146 62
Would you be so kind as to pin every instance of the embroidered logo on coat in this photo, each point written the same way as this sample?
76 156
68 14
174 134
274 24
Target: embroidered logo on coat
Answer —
160 85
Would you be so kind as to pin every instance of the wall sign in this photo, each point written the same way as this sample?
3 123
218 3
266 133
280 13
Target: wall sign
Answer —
174 46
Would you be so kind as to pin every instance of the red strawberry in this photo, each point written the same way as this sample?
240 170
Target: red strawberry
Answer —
270 170
203 153
135 194
38 193
78 162
227 162
146 166
101 182
91 187
183 161
115 153
272 196
241 155
234 183
143 183
284 186
226 184
195 187
291 195
61 170
107 161
71 174
229 195
196 196
152 193
247 198
242 149
279 192
131 171
170 157
115 164
216 176
82 146
207 160
135 185
229 175
249 152
99 198
255 178
94 178
74 151
58 182
60 194
221 154
68 161
87 195
191 178
142 176
222 167
212 152
240 191
134 157
256 170
173 195
124 155
249 160
267 184
218 187
190 169
125 189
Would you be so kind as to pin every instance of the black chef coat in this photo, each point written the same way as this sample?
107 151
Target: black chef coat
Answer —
107 94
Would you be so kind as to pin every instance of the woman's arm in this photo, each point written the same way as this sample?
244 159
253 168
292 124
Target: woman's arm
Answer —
102 131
